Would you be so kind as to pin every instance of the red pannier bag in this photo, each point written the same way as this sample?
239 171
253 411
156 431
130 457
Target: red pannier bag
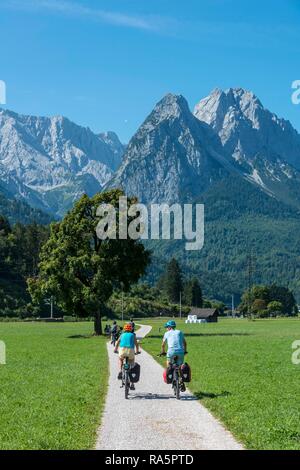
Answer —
168 375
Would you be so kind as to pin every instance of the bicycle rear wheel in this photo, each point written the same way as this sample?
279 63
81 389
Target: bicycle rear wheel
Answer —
177 384
126 384
177 389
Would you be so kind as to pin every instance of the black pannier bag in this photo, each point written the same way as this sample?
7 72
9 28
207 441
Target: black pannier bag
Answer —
134 373
169 375
186 372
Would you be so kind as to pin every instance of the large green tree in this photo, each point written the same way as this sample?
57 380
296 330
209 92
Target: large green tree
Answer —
285 297
80 269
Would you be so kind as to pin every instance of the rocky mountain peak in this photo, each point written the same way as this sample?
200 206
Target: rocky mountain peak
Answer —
172 157
247 129
224 106
171 106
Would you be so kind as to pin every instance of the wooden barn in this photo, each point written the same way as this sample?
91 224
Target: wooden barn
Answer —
203 315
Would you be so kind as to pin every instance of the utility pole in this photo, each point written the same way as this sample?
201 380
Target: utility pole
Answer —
232 305
52 299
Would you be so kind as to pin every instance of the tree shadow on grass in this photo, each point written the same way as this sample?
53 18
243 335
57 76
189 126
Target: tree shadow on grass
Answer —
81 336
204 334
200 395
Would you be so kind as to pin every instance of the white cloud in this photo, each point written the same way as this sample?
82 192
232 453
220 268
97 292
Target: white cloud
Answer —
70 8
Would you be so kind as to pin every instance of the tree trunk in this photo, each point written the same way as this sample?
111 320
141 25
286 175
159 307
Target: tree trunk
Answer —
98 323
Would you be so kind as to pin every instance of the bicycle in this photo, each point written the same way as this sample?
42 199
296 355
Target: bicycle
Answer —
177 382
126 376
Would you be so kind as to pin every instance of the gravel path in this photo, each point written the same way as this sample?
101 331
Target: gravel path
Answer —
152 419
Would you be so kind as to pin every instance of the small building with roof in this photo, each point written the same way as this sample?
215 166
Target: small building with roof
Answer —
202 315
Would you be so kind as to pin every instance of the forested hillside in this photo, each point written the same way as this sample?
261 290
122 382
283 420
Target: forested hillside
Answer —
19 257
19 211
239 221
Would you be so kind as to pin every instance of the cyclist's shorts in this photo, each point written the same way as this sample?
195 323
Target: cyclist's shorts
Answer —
180 357
127 352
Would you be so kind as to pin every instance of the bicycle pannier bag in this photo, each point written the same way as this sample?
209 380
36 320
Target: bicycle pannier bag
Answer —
169 375
134 373
186 372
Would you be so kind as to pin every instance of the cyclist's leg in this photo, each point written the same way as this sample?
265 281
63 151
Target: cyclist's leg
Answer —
180 361
121 361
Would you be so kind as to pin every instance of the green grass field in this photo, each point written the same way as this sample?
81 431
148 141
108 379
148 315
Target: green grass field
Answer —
242 372
53 386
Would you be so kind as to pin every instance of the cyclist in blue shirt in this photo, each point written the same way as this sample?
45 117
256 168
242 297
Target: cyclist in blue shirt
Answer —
126 345
175 341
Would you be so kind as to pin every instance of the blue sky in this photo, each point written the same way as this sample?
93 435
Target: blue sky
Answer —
105 63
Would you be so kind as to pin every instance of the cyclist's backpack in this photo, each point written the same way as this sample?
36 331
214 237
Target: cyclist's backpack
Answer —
186 372
134 373
168 375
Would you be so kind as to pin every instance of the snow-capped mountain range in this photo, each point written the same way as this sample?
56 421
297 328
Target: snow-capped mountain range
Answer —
50 162
175 155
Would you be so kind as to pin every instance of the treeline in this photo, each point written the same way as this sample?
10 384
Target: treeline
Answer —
173 294
15 211
268 301
19 258
173 286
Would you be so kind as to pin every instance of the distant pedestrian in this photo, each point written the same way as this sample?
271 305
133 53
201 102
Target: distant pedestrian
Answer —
132 324
107 330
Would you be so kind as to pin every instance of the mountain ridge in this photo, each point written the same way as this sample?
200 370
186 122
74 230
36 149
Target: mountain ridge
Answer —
174 149
224 157
39 155
171 115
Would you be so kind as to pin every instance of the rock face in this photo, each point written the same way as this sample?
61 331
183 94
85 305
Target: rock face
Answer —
247 129
173 157
118 149
266 147
50 162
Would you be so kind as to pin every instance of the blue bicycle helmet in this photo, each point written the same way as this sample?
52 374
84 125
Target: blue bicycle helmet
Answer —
170 324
